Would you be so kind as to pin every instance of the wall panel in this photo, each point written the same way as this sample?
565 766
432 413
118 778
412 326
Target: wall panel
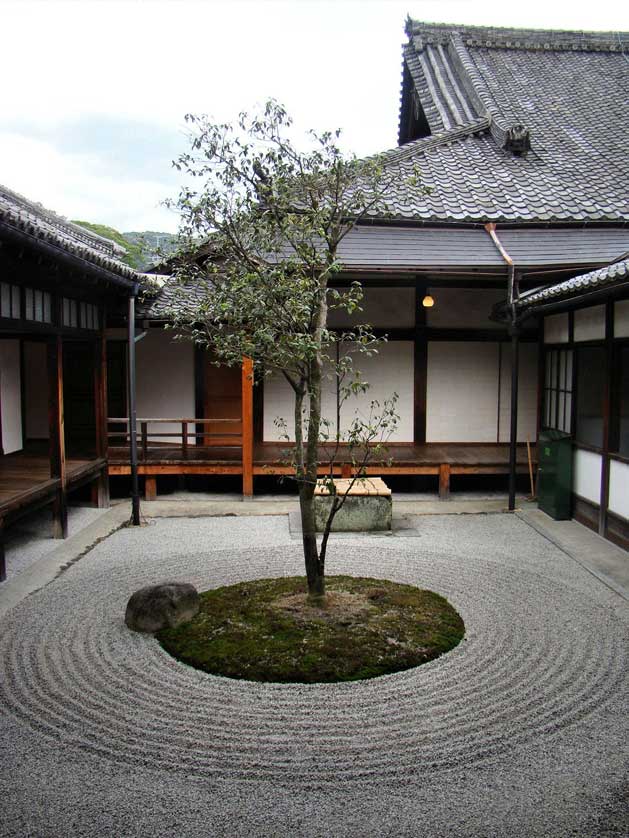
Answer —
391 370
619 488
589 323
556 328
382 308
462 399
165 380
463 308
10 395
36 390
527 393
586 480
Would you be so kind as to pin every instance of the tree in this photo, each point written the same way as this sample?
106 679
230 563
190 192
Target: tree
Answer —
271 219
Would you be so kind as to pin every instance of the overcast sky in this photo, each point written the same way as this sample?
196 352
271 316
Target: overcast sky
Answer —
94 91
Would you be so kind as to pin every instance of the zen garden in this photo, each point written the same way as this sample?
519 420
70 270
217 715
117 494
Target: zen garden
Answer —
316 523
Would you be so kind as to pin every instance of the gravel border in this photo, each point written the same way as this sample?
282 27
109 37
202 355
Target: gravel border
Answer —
520 730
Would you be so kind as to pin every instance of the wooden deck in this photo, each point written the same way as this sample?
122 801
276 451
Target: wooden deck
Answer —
269 458
26 485
25 479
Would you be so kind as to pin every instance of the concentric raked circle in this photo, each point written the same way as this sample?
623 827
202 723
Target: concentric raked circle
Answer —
72 670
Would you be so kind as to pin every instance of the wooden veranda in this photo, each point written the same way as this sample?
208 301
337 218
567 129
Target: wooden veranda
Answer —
270 459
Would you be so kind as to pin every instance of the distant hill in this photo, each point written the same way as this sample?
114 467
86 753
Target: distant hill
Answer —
144 249
155 246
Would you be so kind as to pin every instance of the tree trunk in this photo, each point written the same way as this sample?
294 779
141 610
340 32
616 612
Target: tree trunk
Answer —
316 584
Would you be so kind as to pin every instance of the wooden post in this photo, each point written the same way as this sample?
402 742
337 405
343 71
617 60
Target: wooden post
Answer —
100 487
150 487
609 394
247 427
444 481
346 471
145 439
3 564
57 435
184 439
420 366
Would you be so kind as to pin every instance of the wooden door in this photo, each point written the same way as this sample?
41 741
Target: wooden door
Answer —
78 398
222 401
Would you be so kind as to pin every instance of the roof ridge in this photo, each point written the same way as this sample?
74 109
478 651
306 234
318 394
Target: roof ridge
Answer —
516 38
34 220
80 233
443 138
607 274
509 134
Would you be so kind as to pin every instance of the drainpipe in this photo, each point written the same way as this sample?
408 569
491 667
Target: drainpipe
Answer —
514 332
133 441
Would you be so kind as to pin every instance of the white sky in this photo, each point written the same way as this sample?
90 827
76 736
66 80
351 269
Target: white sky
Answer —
94 91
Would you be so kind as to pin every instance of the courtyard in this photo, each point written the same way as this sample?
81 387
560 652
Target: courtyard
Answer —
519 730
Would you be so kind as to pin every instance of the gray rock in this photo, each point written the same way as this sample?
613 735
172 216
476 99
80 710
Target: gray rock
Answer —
161 606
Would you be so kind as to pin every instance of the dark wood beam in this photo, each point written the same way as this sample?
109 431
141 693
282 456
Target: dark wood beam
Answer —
57 435
420 366
247 427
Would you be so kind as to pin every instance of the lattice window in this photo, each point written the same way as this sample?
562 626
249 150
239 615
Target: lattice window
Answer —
9 300
557 413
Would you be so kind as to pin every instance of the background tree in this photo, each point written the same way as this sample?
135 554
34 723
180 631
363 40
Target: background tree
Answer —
262 233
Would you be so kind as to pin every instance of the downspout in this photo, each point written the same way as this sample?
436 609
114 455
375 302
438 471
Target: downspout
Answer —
514 332
133 441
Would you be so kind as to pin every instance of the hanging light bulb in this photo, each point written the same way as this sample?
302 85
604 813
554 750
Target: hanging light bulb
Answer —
428 301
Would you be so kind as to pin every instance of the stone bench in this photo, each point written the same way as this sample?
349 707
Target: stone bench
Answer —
368 505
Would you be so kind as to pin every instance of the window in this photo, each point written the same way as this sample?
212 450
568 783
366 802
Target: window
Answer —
37 305
619 431
558 390
89 316
9 301
70 313
590 392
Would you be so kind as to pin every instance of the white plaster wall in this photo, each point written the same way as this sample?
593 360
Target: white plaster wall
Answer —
586 479
391 370
279 403
556 328
165 380
589 323
527 393
382 308
463 308
10 395
36 390
619 488
462 392
621 319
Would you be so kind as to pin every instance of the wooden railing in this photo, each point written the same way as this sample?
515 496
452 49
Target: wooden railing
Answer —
226 433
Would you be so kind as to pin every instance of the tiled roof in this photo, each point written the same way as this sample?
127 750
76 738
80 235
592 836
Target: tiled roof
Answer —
489 94
609 275
33 219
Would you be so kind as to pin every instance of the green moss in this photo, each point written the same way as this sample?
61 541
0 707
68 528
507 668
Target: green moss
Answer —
265 631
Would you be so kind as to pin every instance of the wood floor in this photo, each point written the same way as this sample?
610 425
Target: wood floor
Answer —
25 479
271 458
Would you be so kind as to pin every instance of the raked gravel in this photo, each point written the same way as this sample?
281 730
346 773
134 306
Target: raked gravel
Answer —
521 730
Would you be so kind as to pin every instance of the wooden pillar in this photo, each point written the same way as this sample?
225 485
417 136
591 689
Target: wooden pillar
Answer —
444 481
3 564
150 487
100 490
608 395
247 427
57 435
420 362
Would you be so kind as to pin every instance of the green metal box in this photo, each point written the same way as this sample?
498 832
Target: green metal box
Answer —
554 481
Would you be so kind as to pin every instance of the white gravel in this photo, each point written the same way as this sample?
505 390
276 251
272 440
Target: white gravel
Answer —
30 539
519 731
